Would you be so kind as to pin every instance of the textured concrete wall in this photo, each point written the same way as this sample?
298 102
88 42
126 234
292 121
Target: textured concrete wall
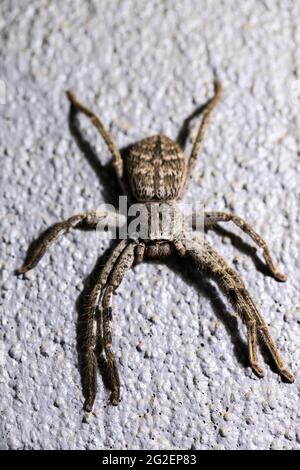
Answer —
145 66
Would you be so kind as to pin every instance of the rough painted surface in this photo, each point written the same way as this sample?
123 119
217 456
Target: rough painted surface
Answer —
145 66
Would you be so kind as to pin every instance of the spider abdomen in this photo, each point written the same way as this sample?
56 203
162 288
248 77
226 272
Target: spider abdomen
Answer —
156 169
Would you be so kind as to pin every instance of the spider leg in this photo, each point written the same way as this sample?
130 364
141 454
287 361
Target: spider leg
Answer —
107 137
52 234
123 264
93 327
212 218
233 287
89 348
203 126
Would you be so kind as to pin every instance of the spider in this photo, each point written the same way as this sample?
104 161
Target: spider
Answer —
155 172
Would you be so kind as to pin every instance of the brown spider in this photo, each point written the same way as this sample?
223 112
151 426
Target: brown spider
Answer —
156 172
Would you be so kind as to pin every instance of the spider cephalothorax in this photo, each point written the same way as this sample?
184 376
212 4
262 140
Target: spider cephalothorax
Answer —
157 170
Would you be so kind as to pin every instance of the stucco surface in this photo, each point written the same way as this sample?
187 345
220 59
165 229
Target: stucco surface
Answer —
145 67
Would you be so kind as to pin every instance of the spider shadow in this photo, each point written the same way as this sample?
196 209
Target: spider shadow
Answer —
209 291
106 175
184 132
203 284
243 247
251 251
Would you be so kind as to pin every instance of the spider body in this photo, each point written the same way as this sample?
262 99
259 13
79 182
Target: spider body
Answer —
157 170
